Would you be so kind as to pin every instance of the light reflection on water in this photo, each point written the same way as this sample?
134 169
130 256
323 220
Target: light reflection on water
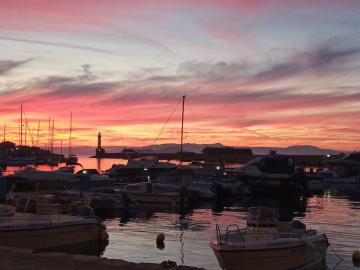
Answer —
188 235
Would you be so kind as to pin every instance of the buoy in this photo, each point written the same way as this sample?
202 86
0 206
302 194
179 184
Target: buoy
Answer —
160 238
356 258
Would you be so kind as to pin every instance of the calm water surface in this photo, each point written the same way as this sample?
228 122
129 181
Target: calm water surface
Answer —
132 235
188 235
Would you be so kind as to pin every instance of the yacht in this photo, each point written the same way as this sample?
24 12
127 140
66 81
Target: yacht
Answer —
267 243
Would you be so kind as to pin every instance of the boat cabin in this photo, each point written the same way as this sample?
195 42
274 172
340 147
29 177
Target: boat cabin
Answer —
32 187
271 164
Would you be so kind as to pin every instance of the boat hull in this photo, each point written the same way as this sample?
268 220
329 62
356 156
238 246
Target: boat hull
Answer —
157 198
295 257
73 238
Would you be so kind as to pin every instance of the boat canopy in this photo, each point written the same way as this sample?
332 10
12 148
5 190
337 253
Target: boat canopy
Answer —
262 217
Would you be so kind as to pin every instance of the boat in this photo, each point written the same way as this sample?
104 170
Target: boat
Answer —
30 173
71 160
272 174
92 174
64 233
143 193
140 168
110 200
267 243
349 165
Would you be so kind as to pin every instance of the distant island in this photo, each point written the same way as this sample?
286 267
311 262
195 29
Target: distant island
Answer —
197 148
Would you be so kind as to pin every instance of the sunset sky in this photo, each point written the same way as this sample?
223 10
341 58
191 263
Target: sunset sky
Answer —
256 73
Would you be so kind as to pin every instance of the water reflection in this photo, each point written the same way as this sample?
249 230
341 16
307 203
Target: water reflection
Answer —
188 233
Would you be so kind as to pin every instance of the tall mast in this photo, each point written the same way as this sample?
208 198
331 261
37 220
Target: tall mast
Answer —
49 135
70 133
52 136
37 135
182 128
26 125
21 125
4 132
60 147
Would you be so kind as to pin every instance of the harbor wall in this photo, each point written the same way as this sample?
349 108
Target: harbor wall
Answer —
13 258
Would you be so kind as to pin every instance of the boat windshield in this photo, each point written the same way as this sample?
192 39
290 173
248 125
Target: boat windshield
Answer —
261 216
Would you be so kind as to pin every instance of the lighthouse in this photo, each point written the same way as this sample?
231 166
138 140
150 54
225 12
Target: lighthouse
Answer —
99 150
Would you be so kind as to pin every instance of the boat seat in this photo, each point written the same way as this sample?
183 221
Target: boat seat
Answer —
285 227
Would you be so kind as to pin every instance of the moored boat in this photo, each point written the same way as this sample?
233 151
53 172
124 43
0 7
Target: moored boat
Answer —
64 233
143 193
272 174
267 243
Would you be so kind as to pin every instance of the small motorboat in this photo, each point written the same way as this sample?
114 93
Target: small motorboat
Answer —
143 193
267 243
84 234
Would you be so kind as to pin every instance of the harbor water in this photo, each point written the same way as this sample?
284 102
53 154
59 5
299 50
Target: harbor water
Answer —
335 212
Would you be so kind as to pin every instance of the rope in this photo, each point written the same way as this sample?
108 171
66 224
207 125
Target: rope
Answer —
29 129
337 255
164 125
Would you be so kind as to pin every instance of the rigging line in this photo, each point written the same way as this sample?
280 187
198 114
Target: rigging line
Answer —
28 127
167 121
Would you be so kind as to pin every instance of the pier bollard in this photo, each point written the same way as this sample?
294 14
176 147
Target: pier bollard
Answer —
356 258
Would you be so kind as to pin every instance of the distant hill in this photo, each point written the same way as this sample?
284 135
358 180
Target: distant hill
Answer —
191 147
295 150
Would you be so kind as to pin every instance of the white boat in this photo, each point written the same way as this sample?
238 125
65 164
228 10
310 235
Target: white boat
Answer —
267 243
50 232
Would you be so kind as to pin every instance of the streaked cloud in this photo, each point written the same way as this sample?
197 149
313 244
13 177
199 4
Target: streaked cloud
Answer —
8 65
254 72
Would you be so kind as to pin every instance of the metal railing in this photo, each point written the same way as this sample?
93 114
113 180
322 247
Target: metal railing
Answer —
229 231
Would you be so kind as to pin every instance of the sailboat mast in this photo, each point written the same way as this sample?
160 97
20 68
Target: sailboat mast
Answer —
4 132
70 133
49 135
26 124
37 135
21 124
182 128
52 136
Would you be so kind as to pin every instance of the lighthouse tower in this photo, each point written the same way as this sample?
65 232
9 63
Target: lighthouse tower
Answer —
99 150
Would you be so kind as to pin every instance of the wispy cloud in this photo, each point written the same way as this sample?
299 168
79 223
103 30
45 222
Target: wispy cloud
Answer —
8 65
60 44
